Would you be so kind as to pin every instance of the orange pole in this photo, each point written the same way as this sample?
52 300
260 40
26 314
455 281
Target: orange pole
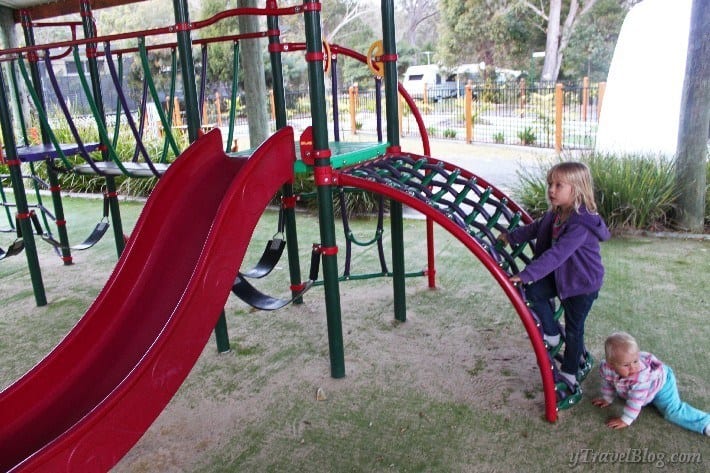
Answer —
600 92
205 106
352 93
177 116
219 109
523 97
273 105
559 103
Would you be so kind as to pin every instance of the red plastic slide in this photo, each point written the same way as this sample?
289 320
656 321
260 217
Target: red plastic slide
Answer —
90 400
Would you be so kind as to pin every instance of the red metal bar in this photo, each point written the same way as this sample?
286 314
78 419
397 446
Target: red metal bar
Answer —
511 291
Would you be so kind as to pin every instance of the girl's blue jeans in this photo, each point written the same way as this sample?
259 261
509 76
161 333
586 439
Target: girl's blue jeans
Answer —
668 402
539 295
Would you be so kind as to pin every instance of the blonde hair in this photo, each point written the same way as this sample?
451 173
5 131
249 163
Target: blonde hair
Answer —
619 342
578 176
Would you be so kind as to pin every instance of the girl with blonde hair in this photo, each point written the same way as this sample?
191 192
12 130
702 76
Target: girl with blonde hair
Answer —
566 264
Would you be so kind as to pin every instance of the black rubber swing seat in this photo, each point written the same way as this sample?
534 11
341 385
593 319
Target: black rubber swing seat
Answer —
96 235
272 253
15 248
257 299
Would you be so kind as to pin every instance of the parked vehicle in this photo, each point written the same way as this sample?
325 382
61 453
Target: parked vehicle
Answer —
476 73
428 77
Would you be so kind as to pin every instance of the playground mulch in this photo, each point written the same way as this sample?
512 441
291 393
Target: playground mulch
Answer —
455 388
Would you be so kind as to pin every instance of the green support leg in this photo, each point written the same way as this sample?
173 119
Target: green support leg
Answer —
322 168
221 335
20 197
111 193
398 276
115 211
59 215
391 99
294 266
27 234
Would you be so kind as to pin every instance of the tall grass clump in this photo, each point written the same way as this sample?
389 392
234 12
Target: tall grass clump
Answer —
634 191
631 191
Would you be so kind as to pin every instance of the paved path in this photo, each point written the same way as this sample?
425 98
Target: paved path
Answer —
498 164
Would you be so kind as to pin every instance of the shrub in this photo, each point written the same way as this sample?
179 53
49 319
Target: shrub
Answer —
527 136
449 133
631 191
499 137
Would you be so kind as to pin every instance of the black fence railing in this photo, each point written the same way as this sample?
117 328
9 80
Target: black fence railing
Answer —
536 114
545 115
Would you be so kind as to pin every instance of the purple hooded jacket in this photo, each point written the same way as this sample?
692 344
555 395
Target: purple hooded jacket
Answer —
575 258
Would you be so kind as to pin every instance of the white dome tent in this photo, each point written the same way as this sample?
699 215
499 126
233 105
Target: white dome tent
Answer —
641 109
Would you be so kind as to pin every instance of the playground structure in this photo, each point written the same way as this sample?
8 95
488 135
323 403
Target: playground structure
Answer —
208 187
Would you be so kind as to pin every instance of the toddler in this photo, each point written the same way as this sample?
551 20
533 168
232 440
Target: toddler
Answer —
642 379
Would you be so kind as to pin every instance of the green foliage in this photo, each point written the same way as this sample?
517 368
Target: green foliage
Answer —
449 133
499 137
499 33
631 191
125 149
527 136
357 203
591 46
635 191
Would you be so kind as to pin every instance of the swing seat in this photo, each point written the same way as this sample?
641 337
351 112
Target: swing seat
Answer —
257 299
43 152
109 168
272 253
96 235
15 248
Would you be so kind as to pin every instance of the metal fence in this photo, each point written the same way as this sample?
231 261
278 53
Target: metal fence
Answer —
544 115
537 114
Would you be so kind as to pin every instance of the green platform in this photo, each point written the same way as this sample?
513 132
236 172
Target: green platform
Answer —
343 154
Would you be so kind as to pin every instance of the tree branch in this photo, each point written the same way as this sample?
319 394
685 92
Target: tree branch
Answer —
538 11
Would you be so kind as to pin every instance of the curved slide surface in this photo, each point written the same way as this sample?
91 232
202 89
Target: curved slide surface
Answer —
405 179
90 400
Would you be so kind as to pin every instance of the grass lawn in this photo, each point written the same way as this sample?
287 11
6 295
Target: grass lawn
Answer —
454 389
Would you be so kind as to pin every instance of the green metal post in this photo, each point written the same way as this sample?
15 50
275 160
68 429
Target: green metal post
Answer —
389 46
391 103
187 67
20 197
192 116
289 211
322 170
111 192
221 335
51 173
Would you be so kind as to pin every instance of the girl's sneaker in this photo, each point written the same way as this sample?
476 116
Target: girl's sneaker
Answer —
567 396
553 350
586 367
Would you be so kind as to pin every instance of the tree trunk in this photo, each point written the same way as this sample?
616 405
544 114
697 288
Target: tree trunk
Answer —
9 40
550 67
691 162
254 81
